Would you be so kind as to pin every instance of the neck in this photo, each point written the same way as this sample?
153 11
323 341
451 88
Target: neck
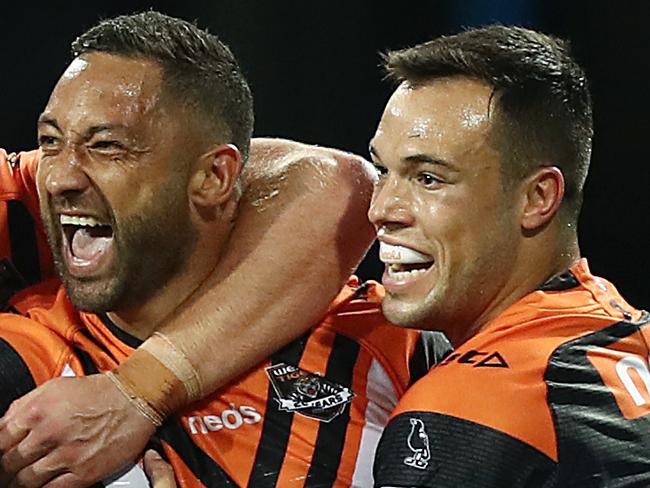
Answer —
147 317
535 265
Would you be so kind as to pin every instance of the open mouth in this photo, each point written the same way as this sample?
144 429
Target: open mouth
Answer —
404 263
87 242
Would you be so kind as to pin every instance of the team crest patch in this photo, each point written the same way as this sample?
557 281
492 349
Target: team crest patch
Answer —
308 394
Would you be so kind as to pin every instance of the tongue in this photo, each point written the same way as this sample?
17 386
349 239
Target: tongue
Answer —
87 246
390 254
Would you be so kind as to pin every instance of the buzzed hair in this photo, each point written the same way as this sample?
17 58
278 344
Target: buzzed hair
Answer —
543 111
198 69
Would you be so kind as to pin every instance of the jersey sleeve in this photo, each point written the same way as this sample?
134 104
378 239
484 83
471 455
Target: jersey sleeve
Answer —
30 354
429 449
479 418
22 238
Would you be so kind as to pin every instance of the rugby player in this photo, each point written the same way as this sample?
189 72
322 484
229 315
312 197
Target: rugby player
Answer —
125 151
483 151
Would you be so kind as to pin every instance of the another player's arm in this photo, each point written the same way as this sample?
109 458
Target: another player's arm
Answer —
300 231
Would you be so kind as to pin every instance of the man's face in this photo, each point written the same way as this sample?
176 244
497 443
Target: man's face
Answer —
446 227
112 181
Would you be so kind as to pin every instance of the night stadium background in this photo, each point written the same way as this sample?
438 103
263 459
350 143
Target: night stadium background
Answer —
313 68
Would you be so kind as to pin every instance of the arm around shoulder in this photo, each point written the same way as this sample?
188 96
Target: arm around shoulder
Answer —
300 231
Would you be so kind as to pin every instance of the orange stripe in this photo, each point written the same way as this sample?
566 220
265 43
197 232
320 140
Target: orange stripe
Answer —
183 474
304 431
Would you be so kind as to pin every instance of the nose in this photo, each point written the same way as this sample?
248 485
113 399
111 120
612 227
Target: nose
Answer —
64 173
391 204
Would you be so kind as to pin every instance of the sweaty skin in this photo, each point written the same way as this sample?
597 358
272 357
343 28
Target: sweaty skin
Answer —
278 275
441 194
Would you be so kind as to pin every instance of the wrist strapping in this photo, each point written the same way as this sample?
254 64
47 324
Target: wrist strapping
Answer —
140 404
145 377
165 351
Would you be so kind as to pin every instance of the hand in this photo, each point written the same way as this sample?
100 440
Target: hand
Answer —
71 433
160 472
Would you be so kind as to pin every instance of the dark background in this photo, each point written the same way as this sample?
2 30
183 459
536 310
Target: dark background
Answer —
313 67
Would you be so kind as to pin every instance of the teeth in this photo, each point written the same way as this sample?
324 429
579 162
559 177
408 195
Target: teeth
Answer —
80 221
391 254
404 275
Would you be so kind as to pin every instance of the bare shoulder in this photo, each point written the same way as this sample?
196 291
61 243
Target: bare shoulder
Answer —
293 163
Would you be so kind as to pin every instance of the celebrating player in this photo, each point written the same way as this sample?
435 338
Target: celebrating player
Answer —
138 184
484 148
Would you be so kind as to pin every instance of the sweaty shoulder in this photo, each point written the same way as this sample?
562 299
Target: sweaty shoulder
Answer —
283 162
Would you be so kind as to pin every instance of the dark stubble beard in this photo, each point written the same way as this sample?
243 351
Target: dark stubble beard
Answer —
151 247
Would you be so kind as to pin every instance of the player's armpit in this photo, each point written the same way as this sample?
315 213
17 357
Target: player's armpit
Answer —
300 231
426 449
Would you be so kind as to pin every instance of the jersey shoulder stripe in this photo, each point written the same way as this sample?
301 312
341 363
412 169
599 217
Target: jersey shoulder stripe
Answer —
599 393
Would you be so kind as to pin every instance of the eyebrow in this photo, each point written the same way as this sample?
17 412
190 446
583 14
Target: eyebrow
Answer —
418 159
425 158
47 120
91 131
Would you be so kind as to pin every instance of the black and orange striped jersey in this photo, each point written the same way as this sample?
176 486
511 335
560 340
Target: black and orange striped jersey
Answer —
25 256
311 415
555 392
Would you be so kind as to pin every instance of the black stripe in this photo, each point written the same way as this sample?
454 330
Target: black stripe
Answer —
23 241
15 377
87 364
419 362
277 425
123 336
455 452
565 281
99 344
206 470
11 281
593 437
429 351
331 435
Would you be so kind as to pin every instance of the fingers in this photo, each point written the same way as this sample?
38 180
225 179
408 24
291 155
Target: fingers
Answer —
27 452
67 480
43 472
159 471
11 431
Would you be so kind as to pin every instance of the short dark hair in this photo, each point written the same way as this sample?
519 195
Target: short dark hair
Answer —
541 93
198 68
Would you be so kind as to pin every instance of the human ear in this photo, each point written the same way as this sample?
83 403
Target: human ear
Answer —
544 191
216 176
